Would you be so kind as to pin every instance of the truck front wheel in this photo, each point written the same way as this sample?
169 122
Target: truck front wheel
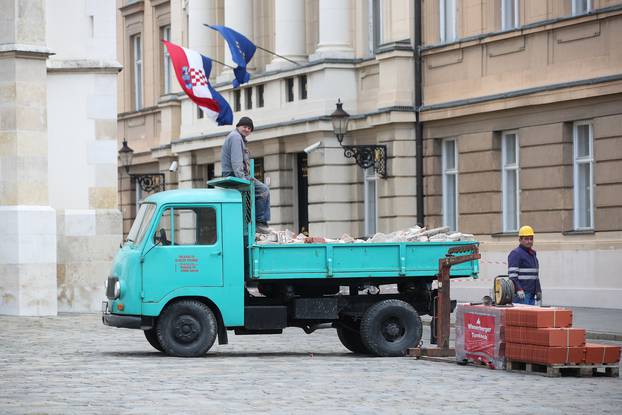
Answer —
350 337
152 337
390 327
187 328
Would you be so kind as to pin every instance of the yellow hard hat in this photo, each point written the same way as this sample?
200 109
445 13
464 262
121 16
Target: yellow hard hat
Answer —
525 231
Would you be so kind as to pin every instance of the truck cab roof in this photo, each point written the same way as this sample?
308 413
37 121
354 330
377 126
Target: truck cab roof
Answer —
195 196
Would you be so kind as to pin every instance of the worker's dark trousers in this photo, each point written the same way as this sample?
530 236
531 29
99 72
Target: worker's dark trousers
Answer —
529 299
262 202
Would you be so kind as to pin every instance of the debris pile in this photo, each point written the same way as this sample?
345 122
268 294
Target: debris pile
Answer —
414 234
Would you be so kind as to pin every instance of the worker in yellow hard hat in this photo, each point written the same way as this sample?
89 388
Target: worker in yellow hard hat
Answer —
523 269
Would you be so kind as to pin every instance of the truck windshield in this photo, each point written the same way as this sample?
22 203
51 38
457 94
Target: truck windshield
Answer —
141 223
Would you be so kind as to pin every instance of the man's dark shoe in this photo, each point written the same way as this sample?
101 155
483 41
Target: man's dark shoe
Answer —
263 228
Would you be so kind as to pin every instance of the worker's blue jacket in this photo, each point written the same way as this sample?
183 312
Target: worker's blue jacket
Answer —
523 270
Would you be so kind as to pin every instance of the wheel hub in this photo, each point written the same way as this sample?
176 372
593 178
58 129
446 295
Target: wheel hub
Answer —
392 329
186 329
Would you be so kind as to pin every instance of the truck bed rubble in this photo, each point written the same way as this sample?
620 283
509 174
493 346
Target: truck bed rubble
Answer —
414 234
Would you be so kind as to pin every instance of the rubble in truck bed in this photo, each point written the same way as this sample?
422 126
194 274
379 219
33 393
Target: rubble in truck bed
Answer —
414 234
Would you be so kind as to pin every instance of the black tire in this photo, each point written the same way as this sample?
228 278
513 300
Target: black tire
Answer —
152 337
187 329
390 327
351 339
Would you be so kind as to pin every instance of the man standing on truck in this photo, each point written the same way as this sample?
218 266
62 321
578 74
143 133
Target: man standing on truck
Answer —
235 159
523 269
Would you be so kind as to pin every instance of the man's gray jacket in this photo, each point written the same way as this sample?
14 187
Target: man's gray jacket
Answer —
234 156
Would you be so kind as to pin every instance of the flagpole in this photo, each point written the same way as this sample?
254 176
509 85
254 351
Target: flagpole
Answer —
280 56
223 64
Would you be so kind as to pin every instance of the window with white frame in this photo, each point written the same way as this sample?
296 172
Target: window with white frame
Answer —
509 181
375 24
583 175
509 14
448 20
581 7
137 64
450 183
166 61
371 201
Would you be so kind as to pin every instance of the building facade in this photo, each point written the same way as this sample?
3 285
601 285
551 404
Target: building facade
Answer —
521 121
58 194
523 125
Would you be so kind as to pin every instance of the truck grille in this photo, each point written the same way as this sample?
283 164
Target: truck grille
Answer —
110 290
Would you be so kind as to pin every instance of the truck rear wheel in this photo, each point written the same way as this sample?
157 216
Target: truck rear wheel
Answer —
390 327
152 337
350 337
187 328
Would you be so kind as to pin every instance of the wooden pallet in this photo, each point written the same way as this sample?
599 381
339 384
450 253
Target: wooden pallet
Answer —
555 371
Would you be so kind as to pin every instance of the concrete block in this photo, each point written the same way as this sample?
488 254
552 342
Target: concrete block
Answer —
541 134
545 199
610 126
480 182
476 142
101 106
102 152
80 222
478 161
545 177
102 197
608 218
108 222
480 202
106 129
397 206
28 289
608 149
106 175
480 223
608 172
542 156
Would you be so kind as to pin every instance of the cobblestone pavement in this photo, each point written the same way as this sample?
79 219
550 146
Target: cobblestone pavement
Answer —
74 364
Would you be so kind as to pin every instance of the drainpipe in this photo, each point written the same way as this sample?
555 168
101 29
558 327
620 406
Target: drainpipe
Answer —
418 123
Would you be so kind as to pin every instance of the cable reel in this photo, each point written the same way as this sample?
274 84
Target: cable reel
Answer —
503 288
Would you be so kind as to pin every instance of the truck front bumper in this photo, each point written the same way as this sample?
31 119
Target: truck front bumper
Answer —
125 321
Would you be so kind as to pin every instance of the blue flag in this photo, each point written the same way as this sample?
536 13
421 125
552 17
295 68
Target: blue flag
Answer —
242 51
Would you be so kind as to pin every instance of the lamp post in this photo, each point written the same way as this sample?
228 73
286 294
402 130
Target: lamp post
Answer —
148 182
365 155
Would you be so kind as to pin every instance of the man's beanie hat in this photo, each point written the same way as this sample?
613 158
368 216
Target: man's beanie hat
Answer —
246 122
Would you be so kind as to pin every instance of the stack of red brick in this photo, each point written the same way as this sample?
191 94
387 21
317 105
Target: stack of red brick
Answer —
546 336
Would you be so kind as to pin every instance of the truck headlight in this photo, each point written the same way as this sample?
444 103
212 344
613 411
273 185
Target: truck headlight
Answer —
117 289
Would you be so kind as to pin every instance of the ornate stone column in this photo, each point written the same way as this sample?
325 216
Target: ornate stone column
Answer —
335 30
289 24
238 16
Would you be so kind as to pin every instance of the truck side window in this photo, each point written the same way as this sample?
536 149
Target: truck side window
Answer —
187 226
163 230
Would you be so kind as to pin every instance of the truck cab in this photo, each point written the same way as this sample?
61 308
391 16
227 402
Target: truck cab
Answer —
190 271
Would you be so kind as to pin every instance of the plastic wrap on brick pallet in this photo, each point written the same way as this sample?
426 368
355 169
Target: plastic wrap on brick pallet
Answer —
414 234
479 335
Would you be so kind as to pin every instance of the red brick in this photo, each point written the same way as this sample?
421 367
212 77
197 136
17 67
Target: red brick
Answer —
601 353
544 355
557 337
523 316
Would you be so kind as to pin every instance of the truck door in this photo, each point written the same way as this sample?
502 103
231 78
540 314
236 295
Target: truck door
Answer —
184 251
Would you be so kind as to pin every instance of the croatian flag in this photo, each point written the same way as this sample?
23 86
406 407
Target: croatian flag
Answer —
242 51
192 70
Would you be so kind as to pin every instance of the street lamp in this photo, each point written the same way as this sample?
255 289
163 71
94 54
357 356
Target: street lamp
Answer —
340 120
148 182
126 154
365 155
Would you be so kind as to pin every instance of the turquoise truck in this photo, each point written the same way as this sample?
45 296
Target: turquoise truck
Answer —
190 271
